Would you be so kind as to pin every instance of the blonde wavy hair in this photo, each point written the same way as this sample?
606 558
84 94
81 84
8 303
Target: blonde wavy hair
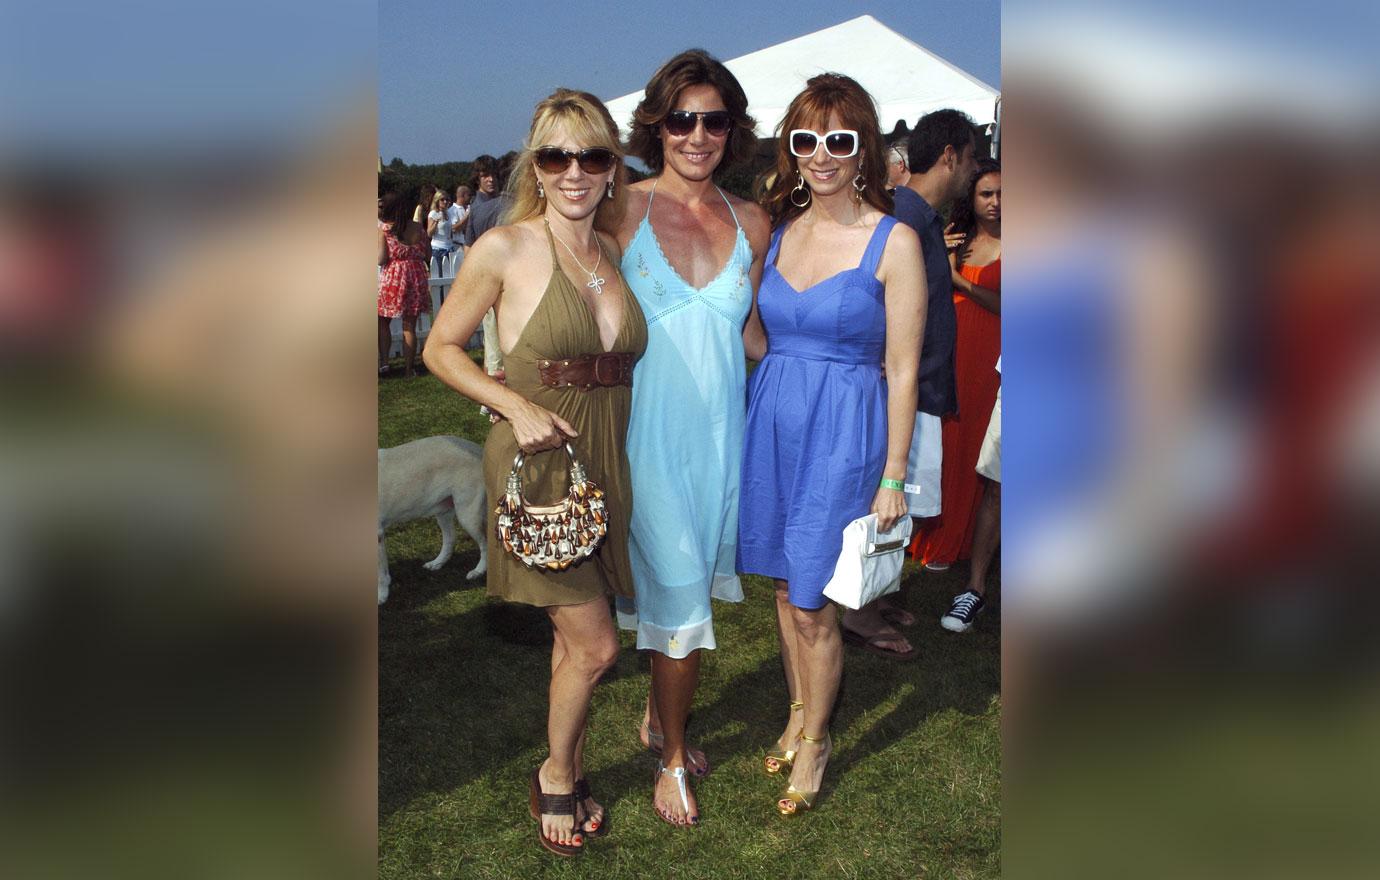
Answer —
588 121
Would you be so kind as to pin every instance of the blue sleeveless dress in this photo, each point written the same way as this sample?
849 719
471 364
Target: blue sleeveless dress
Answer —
816 422
685 442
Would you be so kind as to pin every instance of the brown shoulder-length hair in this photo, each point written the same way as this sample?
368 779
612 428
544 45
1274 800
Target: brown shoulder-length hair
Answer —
824 94
692 67
589 122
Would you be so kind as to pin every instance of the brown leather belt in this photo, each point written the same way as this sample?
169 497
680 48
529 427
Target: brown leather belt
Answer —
588 371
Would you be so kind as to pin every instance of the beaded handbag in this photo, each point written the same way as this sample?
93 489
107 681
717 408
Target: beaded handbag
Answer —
552 536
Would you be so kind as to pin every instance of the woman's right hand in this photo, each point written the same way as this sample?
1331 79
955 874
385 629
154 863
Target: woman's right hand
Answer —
953 240
890 506
536 429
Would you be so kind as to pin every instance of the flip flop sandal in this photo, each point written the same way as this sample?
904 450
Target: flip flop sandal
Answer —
898 617
871 645
581 795
552 805
679 775
655 742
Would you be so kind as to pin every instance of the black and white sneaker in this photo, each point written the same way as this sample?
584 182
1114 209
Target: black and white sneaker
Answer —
961 613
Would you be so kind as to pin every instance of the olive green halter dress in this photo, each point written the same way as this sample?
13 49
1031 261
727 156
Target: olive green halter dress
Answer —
564 327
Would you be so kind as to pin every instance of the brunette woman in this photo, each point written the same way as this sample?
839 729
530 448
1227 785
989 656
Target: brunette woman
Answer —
404 292
976 263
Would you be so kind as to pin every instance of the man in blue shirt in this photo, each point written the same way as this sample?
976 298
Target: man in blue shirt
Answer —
941 168
490 203
940 156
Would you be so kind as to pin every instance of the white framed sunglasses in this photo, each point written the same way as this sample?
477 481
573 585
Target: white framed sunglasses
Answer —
841 143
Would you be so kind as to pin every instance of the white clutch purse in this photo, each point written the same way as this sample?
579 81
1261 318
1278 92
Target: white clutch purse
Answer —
870 562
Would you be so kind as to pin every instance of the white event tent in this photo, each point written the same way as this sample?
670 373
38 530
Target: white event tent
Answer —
906 79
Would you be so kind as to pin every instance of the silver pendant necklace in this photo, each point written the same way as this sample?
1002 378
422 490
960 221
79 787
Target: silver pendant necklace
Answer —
596 283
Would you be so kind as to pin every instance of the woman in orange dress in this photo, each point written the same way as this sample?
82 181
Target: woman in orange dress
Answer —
976 263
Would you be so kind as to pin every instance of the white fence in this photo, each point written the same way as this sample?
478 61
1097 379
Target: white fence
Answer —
442 275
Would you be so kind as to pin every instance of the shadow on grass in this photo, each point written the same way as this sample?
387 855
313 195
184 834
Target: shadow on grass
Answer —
462 695
958 672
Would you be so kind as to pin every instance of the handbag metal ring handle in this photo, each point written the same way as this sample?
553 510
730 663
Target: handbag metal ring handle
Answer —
520 457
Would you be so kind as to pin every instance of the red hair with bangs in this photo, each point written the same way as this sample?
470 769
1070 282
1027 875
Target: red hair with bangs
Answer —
826 94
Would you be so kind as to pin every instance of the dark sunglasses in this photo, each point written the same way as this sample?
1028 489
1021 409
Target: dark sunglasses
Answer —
841 143
554 160
681 122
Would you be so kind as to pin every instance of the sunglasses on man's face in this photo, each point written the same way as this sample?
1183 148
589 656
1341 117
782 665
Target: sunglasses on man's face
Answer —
679 123
554 160
841 143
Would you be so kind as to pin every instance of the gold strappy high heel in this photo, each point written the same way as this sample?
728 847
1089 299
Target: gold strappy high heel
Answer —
777 760
801 801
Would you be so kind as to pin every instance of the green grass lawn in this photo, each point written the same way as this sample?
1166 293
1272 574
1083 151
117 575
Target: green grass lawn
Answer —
913 789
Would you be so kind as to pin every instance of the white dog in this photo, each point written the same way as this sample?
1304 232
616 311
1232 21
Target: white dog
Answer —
435 476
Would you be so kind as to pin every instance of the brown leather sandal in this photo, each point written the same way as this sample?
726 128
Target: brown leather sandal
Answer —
873 644
552 805
582 794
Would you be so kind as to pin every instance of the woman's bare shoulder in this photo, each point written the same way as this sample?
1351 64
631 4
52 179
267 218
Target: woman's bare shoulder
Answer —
754 219
610 244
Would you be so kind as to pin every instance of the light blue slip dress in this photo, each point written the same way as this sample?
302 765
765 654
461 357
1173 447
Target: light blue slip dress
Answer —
685 442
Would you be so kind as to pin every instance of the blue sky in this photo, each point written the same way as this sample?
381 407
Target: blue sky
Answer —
457 78
460 79
148 76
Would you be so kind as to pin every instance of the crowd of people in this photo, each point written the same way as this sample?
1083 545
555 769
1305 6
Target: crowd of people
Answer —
621 319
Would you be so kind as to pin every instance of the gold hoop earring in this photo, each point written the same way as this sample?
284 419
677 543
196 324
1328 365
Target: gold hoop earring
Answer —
800 188
541 191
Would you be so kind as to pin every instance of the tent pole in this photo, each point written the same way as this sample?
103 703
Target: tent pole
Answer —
996 131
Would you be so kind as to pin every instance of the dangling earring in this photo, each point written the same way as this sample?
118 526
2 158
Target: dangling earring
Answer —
541 191
800 188
610 193
859 184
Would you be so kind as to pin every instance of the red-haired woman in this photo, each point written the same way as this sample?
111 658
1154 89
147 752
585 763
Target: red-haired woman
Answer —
827 436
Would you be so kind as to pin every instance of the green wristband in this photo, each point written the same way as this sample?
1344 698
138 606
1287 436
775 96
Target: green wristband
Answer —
893 484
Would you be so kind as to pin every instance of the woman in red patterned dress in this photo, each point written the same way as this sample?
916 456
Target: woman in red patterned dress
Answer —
404 285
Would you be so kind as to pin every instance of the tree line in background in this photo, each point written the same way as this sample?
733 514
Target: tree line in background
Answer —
446 176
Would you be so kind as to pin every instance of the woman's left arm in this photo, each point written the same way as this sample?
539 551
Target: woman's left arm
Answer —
987 298
903 274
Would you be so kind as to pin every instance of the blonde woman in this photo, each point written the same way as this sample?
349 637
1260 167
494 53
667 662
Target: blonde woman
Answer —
439 227
570 333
